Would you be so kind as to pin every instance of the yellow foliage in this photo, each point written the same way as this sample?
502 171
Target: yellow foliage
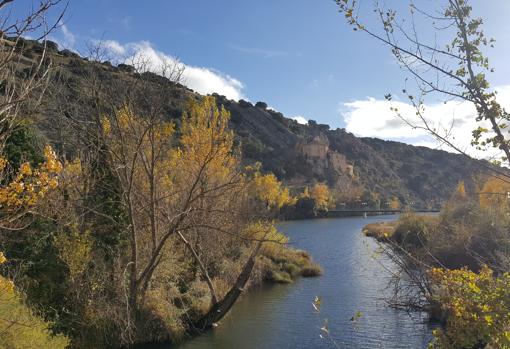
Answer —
274 240
494 193
264 231
380 230
320 193
461 190
206 141
6 286
305 194
395 203
19 327
106 125
269 190
478 308
139 148
75 250
71 173
29 185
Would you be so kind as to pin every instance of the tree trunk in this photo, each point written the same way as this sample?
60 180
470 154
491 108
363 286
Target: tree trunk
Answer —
220 309
203 269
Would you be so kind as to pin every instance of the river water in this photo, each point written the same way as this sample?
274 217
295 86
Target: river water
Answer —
355 280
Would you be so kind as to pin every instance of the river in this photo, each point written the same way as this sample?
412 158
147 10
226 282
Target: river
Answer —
354 280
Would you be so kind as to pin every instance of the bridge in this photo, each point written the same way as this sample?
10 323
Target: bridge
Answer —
370 212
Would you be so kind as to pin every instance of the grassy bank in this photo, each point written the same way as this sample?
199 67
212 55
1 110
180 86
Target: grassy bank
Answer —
411 230
285 265
275 264
380 230
458 262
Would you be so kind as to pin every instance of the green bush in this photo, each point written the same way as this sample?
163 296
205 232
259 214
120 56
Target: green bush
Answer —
412 230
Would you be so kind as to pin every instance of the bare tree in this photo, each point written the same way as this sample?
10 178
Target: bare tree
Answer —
17 93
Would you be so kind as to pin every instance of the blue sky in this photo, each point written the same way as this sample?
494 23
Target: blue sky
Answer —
299 56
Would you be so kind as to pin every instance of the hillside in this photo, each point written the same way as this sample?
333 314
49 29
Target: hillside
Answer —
365 169
302 154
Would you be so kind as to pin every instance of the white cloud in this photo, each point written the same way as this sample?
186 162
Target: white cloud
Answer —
69 37
300 119
202 80
114 48
63 37
373 118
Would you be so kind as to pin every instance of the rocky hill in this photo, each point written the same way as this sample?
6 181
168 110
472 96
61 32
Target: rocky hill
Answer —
298 154
301 154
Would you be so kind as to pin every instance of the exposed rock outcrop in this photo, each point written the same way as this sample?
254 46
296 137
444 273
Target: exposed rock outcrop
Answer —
317 154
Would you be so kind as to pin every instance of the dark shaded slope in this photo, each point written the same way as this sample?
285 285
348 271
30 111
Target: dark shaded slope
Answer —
429 174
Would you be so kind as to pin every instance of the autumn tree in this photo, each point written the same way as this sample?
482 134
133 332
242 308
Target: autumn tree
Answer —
394 203
22 188
494 193
268 189
305 194
477 306
24 184
321 195
460 191
185 187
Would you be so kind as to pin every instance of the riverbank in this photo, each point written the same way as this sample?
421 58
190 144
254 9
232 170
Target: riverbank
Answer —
282 316
380 230
276 265
352 213
458 261
413 223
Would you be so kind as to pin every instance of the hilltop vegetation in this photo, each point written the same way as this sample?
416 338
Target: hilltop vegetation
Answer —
357 170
